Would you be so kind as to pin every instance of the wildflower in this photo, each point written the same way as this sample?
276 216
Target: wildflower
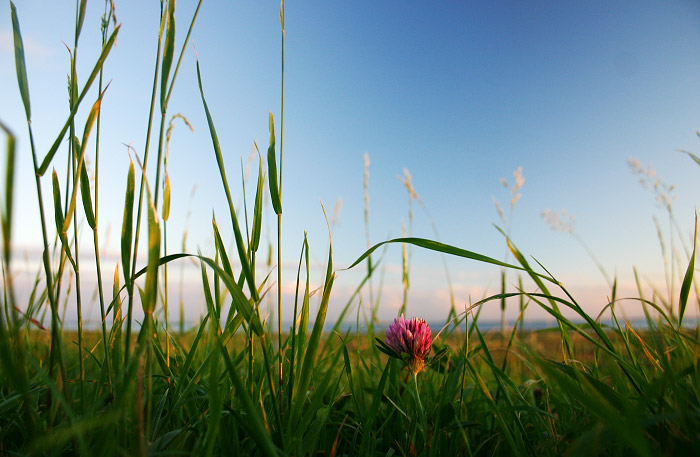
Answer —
410 340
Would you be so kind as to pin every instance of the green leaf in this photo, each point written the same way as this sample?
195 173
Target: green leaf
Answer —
151 286
95 71
441 247
166 197
272 170
368 423
688 278
20 66
308 365
86 197
58 216
242 254
92 116
239 300
221 248
168 51
257 214
693 156
81 18
128 225
9 186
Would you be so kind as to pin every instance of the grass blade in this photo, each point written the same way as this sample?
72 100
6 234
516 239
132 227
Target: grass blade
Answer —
243 256
58 216
95 71
272 169
94 111
20 65
9 185
688 278
151 286
168 51
441 247
257 214
128 226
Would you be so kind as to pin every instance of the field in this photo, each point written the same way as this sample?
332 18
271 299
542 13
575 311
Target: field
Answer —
236 384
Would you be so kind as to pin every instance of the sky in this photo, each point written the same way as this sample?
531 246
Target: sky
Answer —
459 93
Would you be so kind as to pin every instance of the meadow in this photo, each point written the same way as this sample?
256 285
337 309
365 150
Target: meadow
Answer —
237 384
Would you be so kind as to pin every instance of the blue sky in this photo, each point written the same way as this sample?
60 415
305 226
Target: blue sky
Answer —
459 93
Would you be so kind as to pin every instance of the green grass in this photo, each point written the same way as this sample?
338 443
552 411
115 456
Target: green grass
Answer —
233 385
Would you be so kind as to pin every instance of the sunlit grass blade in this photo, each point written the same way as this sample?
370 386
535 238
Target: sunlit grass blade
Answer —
168 50
239 299
220 248
128 226
272 169
257 211
245 264
92 117
95 71
151 285
166 198
308 364
688 278
441 247
86 197
58 217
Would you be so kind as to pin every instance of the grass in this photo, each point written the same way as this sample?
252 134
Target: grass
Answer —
232 385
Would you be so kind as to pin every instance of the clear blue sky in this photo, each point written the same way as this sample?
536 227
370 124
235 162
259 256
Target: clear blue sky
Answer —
459 93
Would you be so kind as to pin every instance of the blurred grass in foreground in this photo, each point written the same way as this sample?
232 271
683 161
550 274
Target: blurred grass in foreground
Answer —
232 385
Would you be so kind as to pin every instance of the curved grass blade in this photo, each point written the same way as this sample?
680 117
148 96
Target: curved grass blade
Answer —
95 71
168 51
220 247
308 364
688 278
257 214
243 256
151 286
272 170
80 19
128 226
20 65
447 249
86 197
58 216
94 111
166 197
252 420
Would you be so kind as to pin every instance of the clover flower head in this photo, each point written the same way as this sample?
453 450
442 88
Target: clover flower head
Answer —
413 338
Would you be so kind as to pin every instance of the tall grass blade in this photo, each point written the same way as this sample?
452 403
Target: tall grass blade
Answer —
128 226
168 50
9 186
151 286
243 256
58 217
308 364
20 65
272 169
94 111
257 211
86 197
95 71
80 19
688 278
